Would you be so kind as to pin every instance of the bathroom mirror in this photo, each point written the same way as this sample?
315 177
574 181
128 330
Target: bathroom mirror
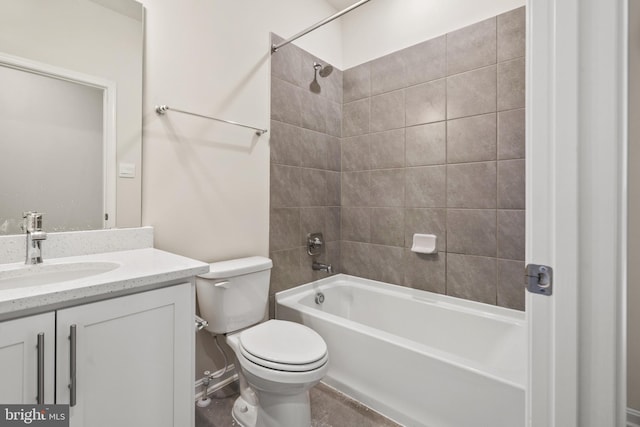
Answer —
91 50
59 155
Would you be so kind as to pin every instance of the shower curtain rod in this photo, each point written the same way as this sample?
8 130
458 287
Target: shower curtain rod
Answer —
161 109
275 47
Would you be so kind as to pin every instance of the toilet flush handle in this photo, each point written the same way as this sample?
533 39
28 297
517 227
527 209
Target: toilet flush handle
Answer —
224 285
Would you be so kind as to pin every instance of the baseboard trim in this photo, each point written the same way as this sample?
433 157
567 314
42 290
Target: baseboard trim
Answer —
222 380
633 418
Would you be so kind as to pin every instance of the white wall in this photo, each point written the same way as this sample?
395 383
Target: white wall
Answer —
206 185
381 27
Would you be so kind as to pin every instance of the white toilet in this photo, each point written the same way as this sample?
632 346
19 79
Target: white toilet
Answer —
279 361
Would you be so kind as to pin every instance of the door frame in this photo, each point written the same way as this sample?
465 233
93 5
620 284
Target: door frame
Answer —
576 174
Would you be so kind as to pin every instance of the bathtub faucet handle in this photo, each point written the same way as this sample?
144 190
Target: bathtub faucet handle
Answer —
314 243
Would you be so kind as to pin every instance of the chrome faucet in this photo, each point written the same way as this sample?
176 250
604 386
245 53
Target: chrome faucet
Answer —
32 225
318 266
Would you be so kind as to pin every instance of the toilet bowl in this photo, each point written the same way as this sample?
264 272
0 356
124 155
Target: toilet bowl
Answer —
277 361
280 361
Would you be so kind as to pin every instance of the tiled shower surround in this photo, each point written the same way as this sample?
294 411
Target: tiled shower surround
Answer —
432 141
306 120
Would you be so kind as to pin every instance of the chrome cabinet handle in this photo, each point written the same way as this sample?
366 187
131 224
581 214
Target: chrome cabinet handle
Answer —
72 365
40 398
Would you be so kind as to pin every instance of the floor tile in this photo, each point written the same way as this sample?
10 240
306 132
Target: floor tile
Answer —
329 408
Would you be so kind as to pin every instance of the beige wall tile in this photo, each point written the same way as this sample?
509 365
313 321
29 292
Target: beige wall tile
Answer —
357 82
511 134
387 111
512 34
471 185
471 93
425 271
426 144
511 82
387 226
472 139
426 61
425 187
388 73
387 187
511 290
426 103
387 149
472 232
472 277
511 185
511 234
471 47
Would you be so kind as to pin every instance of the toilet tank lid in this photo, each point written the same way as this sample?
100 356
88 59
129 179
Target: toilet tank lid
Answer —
237 267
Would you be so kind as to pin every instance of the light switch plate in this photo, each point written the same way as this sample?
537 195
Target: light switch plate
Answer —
127 170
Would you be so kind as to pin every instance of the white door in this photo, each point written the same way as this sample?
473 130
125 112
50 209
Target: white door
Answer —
133 360
576 210
21 351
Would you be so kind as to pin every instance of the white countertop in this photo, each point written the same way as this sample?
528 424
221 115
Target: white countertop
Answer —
139 270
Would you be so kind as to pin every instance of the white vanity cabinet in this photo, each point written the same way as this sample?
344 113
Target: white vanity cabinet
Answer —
132 360
126 361
27 350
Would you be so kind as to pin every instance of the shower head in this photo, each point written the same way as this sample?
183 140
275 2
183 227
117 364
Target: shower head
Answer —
323 70
326 70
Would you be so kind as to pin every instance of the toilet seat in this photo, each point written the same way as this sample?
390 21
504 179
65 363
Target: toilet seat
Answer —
284 367
283 346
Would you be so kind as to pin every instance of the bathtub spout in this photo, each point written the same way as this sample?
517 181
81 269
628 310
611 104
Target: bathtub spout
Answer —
318 266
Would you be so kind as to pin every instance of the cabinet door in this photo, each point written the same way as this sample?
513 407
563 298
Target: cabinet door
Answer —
20 354
133 360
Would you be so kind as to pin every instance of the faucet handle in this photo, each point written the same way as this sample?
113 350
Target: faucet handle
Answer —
314 243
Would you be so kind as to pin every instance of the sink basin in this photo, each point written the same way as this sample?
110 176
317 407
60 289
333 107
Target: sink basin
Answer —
44 274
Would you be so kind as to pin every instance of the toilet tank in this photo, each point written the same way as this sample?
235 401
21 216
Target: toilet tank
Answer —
234 294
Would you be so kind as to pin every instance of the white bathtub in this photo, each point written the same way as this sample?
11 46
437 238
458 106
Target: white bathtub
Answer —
421 359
